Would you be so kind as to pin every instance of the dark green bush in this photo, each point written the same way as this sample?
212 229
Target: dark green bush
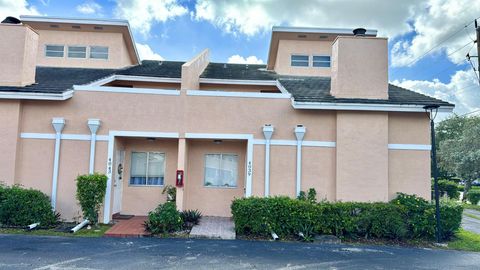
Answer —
447 187
91 190
21 207
191 216
473 196
164 219
405 217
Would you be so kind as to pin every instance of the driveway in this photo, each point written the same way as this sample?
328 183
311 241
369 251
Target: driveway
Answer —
469 223
37 252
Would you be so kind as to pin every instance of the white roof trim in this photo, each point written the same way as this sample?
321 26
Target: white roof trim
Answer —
36 96
209 93
244 82
116 77
127 90
116 22
344 31
364 107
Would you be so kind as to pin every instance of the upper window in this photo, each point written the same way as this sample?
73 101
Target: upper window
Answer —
321 61
77 52
54 50
98 52
299 60
147 169
221 170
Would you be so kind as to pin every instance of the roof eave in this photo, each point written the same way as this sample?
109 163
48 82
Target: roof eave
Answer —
367 107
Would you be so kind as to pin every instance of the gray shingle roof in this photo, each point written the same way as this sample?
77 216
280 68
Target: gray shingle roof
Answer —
303 89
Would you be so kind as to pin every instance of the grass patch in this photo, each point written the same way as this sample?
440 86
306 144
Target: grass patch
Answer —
465 240
95 231
471 206
471 216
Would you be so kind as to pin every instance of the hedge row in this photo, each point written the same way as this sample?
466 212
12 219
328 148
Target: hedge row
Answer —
21 207
405 217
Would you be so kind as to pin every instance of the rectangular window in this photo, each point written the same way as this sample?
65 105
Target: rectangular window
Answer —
147 169
54 50
299 60
98 52
221 170
321 61
77 52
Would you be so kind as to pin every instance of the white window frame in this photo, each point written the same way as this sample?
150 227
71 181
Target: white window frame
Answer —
79 46
299 54
97 46
146 170
63 51
329 62
205 171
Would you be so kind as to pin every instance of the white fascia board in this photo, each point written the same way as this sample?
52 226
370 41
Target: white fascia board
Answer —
152 91
117 77
220 136
281 88
294 143
364 107
397 146
208 93
340 31
51 136
236 82
144 134
36 96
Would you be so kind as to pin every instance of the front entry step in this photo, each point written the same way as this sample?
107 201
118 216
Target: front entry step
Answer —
214 228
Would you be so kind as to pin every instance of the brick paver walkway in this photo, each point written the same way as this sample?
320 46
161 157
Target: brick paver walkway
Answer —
128 228
214 227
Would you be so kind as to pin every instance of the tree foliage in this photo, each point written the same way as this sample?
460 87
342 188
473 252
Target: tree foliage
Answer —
458 147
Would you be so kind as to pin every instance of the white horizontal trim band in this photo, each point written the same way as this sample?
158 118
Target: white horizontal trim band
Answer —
51 136
116 77
236 94
220 136
144 134
294 143
364 107
110 89
36 96
423 147
235 82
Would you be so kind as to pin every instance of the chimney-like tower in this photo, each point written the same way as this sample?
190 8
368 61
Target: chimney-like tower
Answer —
18 52
359 66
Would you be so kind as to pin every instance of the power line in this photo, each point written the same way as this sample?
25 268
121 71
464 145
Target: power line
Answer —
465 114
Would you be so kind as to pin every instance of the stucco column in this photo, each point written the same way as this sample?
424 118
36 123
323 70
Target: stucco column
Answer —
58 124
9 139
182 165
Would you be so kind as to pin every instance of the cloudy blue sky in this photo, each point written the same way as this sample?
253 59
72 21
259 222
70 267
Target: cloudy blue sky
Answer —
428 39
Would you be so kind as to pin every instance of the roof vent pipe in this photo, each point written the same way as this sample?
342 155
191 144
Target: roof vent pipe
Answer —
359 32
11 20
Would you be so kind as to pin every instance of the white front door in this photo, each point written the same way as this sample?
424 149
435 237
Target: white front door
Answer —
118 184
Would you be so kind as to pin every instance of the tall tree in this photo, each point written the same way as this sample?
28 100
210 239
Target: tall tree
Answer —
458 146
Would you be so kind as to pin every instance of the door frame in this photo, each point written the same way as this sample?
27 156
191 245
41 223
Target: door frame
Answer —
118 183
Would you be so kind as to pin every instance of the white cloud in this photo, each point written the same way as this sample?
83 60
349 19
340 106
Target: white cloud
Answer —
463 90
16 8
143 13
437 24
89 7
146 53
237 59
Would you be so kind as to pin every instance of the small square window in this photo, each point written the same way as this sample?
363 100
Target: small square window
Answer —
299 60
221 170
321 61
54 50
147 169
77 52
98 52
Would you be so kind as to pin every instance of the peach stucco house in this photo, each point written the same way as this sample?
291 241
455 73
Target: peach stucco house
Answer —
75 98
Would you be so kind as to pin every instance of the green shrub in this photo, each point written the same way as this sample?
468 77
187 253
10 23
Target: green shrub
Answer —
191 216
91 190
473 196
164 219
21 207
405 217
311 196
450 188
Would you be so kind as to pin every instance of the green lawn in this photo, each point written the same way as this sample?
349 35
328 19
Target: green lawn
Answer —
471 206
465 240
93 232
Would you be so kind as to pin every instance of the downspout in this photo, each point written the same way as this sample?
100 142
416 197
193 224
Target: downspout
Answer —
58 124
299 133
93 125
267 132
